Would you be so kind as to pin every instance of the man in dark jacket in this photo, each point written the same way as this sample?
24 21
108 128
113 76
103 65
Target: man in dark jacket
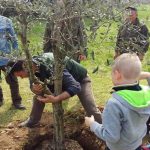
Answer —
75 81
133 36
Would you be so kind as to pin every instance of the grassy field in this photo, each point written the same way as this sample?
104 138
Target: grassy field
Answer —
101 80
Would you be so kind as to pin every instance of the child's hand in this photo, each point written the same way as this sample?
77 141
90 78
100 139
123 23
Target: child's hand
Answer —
89 120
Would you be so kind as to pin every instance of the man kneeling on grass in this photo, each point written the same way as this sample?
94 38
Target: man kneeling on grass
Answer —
74 81
126 113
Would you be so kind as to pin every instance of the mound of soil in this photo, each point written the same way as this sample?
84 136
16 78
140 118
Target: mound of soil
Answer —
77 136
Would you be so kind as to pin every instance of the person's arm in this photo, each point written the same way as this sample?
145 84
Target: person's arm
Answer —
119 39
144 38
54 99
144 75
70 87
12 33
69 84
81 35
110 128
47 43
36 88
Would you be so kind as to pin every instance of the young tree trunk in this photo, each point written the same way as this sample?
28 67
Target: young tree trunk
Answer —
57 108
58 119
25 46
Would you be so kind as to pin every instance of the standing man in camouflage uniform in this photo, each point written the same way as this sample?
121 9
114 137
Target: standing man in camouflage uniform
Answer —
133 36
8 45
76 40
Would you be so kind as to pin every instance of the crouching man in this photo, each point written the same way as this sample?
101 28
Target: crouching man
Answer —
75 81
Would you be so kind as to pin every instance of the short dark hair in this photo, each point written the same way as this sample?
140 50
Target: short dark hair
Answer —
15 66
131 8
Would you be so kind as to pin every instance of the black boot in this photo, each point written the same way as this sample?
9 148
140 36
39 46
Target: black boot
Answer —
19 106
28 123
1 97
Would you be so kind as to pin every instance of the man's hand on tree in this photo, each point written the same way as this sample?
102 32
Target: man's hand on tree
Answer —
37 88
48 98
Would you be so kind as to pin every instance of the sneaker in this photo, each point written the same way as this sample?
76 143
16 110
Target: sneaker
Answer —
28 123
1 103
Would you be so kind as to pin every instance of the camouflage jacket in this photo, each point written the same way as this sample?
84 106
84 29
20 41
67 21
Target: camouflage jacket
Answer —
133 37
46 62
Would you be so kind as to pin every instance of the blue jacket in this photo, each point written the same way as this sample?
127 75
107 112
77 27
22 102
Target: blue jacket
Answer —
8 39
124 119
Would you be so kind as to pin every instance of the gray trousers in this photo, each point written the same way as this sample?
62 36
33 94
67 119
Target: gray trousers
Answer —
86 98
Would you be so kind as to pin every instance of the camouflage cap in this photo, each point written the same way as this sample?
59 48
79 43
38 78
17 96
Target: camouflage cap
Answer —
130 8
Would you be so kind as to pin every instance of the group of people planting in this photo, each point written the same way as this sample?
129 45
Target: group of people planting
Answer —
122 124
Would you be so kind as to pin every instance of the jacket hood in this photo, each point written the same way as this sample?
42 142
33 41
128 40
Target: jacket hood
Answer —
136 100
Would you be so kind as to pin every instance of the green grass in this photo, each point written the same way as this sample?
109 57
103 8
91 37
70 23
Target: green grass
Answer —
101 81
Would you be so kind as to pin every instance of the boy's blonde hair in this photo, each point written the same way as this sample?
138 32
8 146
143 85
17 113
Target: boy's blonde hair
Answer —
129 65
